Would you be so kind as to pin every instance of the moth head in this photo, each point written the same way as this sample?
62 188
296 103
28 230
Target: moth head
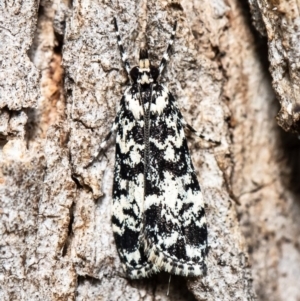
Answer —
144 74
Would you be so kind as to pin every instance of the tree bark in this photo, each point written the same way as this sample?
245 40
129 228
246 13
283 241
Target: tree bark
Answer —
57 241
279 21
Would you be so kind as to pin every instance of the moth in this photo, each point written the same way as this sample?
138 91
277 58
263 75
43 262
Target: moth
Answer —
158 214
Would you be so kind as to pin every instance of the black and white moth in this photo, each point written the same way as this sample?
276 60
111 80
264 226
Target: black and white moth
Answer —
158 212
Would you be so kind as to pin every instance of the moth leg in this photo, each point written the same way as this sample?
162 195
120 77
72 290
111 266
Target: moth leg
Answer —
166 56
103 144
102 147
124 56
200 135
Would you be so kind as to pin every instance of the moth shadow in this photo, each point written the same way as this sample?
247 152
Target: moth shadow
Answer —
158 285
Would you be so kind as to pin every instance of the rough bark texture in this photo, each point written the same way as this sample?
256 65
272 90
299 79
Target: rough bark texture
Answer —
280 21
57 242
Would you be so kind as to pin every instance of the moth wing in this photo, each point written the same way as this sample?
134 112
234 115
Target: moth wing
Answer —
128 193
174 218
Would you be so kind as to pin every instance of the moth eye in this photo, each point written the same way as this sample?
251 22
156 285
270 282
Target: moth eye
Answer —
154 72
134 73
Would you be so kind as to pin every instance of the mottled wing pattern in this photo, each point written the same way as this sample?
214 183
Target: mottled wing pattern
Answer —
174 220
128 186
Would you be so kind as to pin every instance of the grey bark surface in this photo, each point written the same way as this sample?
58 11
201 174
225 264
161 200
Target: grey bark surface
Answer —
61 82
279 21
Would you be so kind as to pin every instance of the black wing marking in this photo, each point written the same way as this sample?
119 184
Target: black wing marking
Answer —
128 189
174 218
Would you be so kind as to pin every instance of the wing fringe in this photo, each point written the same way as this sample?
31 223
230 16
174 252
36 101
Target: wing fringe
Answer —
176 267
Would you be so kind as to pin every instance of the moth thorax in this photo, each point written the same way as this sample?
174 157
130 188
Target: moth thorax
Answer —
145 78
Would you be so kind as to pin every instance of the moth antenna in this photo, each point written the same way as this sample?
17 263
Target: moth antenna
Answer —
166 55
123 53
